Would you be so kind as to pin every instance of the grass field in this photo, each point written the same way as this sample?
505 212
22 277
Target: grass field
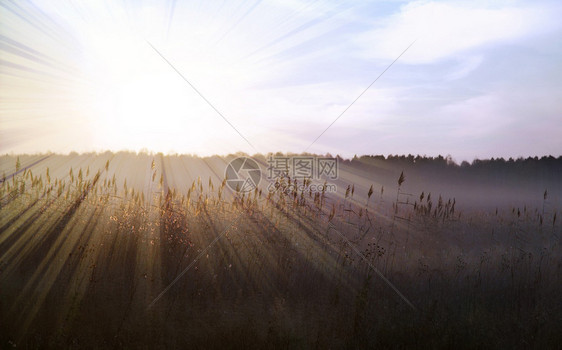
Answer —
151 251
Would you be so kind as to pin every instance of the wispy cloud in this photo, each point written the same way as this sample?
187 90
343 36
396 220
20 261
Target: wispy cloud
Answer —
447 29
481 75
465 67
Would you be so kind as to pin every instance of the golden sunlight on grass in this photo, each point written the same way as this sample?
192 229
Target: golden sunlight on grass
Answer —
143 245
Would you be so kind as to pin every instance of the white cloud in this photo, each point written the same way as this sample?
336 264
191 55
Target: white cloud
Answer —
281 72
447 29
465 67
475 117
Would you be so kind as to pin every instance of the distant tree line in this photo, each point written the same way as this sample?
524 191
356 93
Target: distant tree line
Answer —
532 173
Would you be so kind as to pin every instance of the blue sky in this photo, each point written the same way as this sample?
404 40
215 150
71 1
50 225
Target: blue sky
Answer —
483 79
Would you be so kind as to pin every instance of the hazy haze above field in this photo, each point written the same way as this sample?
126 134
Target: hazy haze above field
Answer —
482 80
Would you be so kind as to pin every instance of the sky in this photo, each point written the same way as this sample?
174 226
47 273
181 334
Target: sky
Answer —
470 79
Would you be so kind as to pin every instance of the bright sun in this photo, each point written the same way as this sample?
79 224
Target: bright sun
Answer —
144 103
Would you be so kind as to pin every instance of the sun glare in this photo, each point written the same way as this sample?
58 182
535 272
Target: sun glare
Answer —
143 103
140 112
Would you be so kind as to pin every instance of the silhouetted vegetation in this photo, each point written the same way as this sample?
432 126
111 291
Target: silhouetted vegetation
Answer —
153 251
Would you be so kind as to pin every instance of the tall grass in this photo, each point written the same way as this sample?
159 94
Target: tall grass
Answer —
83 252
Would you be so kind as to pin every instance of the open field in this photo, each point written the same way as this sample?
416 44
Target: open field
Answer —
152 251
